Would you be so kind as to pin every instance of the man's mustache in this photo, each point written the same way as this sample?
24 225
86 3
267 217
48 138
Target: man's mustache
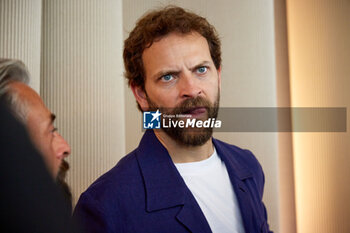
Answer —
188 105
64 167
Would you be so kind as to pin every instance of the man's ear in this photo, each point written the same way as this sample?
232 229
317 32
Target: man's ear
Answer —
140 96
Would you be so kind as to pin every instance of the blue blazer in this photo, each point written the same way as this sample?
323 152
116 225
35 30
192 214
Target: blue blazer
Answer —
145 193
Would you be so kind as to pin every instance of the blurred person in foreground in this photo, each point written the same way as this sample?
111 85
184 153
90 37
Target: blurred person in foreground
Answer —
27 106
30 201
178 179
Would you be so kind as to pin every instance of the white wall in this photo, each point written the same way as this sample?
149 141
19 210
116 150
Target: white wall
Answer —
82 83
20 34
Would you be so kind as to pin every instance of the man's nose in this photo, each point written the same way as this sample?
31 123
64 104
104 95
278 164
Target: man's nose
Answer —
66 150
189 86
61 147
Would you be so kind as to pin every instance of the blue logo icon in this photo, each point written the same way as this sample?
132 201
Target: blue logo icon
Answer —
151 120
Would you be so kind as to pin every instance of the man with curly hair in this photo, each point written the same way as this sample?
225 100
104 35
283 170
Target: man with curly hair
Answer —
178 179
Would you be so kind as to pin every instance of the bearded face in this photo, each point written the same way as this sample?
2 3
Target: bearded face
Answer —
199 108
180 77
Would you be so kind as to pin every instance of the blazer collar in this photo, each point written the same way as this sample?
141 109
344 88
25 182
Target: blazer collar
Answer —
228 154
164 185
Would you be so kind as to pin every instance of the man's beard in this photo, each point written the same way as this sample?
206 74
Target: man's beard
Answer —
60 179
189 136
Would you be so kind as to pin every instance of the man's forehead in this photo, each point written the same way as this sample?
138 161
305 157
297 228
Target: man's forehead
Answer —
178 36
41 115
33 102
175 39
25 92
175 48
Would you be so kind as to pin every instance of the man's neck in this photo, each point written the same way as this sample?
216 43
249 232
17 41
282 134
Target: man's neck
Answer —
180 153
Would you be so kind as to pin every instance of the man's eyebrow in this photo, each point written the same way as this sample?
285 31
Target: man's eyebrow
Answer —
53 117
164 72
174 71
203 63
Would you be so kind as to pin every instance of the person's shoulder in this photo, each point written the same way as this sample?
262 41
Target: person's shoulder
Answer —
123 176
242 156
104 198
243 159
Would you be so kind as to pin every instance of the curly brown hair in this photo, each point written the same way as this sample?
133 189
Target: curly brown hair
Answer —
157 24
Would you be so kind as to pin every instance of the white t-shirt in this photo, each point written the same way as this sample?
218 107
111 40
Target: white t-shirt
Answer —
210 184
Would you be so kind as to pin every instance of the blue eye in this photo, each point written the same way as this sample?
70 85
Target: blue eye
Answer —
167 77
202 69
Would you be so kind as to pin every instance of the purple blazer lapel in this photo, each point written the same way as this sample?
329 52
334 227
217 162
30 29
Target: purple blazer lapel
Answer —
165 187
